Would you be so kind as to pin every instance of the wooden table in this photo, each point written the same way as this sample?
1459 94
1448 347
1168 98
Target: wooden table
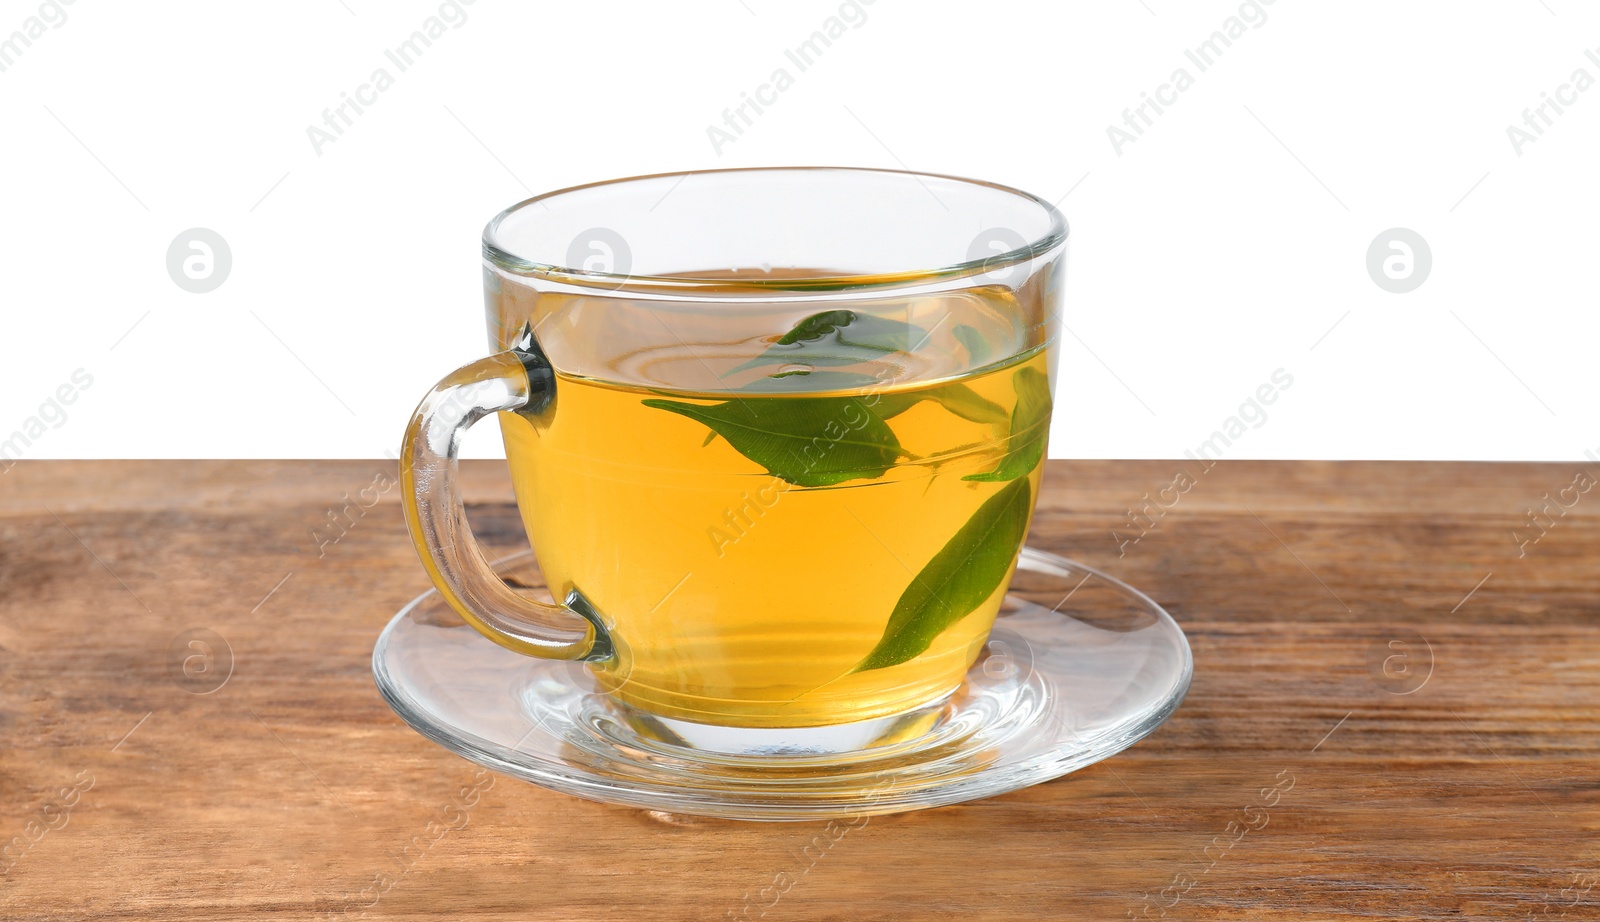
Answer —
293 792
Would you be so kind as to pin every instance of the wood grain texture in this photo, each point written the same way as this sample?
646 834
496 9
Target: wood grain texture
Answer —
291 789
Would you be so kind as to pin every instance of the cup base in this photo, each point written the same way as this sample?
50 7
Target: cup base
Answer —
840 740
1079 666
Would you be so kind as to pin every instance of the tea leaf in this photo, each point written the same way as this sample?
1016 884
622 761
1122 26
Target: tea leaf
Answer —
1030 425
959 399
977 349
807 441
838 338
962 576
816 325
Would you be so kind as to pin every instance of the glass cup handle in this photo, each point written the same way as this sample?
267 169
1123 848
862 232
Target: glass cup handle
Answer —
518 379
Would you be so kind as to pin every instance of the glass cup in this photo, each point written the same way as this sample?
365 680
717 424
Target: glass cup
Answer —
776 436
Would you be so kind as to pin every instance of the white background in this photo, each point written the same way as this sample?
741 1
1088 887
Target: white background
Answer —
1225 243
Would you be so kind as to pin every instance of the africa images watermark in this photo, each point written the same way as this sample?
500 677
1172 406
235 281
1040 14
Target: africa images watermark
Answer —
52 414
345 515
1553 104
1252 414
450 15
199 661
1572 896
454 817
54 814
1252 817
51 14
752 103
1251 15
756 904
1548 513
853 417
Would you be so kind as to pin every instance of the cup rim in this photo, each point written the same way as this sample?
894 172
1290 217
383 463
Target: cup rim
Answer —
501 257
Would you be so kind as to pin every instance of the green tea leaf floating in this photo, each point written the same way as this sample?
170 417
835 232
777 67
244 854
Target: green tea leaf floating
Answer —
1030 425
817 325
965 572
977 349
838 338
959 399
807 441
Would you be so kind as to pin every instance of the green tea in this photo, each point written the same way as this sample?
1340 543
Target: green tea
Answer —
786 520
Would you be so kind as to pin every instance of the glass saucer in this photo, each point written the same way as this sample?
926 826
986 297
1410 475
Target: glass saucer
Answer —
1079 667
